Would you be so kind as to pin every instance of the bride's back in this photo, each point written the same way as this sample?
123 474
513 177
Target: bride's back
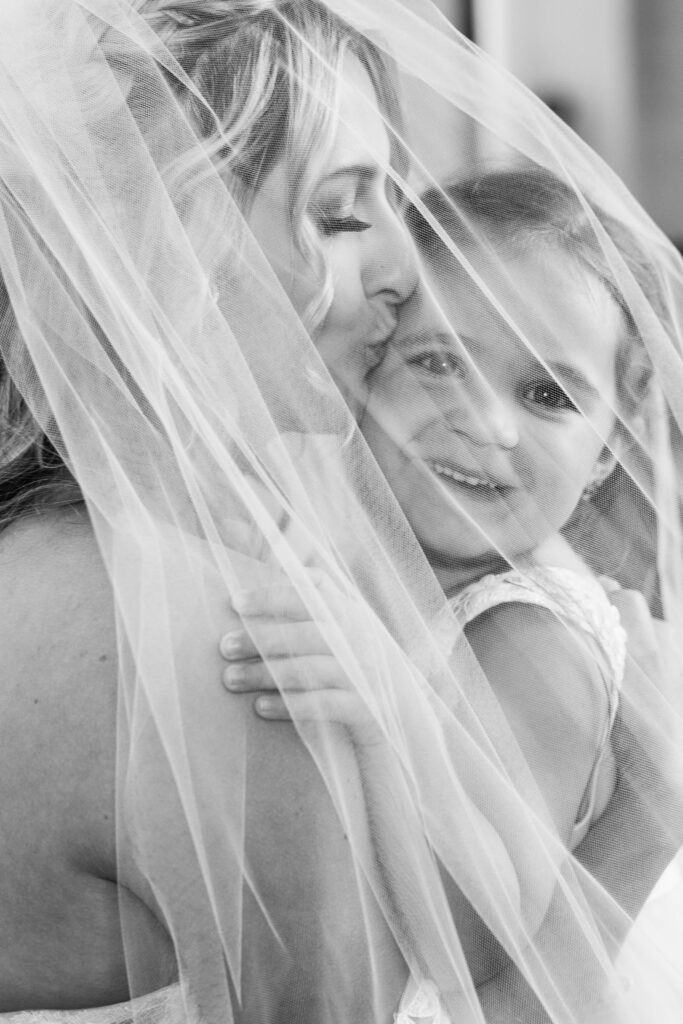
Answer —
60 883
62 946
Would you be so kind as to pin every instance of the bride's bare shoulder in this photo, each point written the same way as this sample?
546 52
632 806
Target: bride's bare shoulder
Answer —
58 714
45 556
57 651
54 590
57 632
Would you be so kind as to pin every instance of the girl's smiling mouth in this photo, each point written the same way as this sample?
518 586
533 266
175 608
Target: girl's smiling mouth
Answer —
499 483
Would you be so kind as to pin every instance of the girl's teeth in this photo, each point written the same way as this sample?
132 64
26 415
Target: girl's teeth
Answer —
473 481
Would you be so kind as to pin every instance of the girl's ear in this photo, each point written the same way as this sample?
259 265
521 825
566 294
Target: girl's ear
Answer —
615 450
605 463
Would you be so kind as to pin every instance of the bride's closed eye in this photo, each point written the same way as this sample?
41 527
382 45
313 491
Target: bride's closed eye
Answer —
333 225
334 213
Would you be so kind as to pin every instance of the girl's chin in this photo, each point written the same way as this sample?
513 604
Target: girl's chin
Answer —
456 571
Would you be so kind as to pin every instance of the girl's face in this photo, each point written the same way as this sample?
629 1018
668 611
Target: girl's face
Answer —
364 241
487 444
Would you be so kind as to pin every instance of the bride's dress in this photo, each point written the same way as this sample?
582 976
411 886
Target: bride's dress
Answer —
162 1007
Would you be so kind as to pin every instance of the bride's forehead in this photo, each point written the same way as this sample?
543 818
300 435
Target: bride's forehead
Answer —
359 128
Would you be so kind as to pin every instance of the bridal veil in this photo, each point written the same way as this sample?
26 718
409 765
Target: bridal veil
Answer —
161 353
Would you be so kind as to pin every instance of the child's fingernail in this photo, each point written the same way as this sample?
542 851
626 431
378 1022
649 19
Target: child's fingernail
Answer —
241 600
266 705
231 643
235 677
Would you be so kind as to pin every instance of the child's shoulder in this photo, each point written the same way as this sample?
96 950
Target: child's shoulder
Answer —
552 602
553 691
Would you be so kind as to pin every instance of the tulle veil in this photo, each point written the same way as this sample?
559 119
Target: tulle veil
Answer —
162 356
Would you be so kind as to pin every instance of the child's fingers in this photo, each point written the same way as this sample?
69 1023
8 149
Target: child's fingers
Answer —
312 672
278 601
282 599
268 638
340 706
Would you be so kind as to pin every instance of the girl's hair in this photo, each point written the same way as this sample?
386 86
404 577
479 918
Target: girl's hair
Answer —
528 208
268 72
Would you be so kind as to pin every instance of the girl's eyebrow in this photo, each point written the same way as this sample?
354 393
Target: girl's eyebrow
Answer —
566 373
571 375
426 336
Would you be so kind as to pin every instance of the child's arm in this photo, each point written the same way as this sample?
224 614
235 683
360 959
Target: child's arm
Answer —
550 690
545 678
636 837
641 829
316 688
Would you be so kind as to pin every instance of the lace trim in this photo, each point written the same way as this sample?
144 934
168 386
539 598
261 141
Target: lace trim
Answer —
163 1007
421 1005
578 599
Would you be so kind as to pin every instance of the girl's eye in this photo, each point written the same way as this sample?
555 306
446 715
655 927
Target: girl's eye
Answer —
440 364
550 395
337 225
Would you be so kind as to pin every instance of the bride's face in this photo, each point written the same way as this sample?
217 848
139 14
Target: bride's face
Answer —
364 243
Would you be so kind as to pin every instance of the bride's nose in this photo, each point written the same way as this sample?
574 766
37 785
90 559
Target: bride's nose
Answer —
391 262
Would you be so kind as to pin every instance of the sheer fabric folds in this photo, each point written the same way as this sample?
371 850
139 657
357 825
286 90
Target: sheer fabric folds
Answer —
162 351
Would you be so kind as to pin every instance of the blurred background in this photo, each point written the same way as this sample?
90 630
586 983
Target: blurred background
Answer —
613 69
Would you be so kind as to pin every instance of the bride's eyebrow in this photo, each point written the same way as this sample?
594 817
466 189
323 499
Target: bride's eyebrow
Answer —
364 174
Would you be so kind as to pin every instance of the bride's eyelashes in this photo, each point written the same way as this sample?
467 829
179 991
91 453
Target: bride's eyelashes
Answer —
331 225
335 215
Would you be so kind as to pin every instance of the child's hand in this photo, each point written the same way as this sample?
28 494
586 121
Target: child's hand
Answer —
280 649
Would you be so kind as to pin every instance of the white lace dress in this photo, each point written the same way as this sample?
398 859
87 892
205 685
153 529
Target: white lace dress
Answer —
581 602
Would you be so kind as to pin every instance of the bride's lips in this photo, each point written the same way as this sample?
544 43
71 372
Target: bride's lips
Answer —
375 352
377 341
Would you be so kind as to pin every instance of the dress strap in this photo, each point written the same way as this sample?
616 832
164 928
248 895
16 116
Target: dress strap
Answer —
577 599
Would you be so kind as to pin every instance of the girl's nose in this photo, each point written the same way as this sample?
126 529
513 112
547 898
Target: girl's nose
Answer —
484 418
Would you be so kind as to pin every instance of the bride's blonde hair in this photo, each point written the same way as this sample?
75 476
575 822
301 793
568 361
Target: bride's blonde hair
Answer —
267 75
262 86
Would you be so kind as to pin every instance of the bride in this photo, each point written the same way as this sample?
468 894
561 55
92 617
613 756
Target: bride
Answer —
205 259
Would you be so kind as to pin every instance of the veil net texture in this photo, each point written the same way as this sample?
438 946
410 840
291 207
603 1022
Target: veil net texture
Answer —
301 872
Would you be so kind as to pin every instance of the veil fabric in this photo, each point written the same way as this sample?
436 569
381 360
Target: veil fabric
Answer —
161 352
